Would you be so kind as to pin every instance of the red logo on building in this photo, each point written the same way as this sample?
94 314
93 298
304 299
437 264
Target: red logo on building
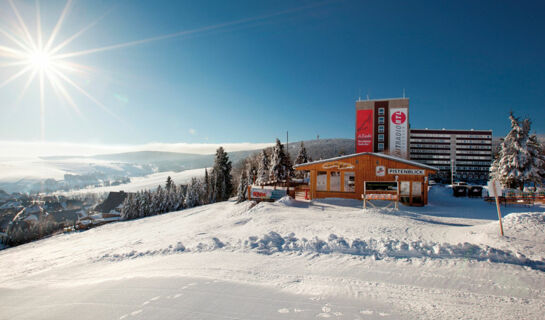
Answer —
398 117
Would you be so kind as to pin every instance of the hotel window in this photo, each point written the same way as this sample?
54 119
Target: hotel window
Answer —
349 182
335 181
381 111
381 128
381 137
381 147
321 181
381 120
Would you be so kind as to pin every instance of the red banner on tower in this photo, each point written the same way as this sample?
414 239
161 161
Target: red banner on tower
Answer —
364 131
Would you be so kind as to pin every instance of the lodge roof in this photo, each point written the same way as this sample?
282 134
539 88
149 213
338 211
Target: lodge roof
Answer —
380 155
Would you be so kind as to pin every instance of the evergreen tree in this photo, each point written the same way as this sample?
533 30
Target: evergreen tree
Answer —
192 197
206 187
169 183
281 166
518 159
222 176
302 157
212 191
263 169
251 173
536 171
242 187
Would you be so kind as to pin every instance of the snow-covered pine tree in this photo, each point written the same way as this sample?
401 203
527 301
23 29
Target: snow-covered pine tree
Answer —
251 172
212 190
263 169
536 171
242 187
158 201
280 163
128 211
514 163
206 187
169 183
179 198
192 194
302 157
222 175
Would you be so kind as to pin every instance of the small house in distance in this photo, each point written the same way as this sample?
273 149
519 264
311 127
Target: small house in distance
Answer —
372 174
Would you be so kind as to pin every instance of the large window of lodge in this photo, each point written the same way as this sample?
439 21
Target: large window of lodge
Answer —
349 181
334 181
321 181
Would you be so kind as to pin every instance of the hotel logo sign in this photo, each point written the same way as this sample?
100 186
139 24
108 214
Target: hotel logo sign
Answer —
399 130
380 171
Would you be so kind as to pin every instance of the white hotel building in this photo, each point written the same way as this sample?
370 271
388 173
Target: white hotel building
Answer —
466 154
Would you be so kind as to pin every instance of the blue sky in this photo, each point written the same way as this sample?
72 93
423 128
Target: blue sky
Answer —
296 66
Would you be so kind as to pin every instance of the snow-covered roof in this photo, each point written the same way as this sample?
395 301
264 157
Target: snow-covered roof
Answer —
458 130
383 99
380 155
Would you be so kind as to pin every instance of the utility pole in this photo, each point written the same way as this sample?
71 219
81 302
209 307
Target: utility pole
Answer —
288 173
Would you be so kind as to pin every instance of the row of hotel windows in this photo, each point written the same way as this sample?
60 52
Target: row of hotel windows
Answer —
435 156
413 150
348 181
448 141
462 169
465 150
472 168
448 162
474 141
449 135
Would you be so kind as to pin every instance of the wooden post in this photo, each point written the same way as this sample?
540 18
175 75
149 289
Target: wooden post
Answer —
364 192
497 205
249 192
397 199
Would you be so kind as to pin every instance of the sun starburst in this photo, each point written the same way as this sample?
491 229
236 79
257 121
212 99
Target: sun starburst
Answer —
42 61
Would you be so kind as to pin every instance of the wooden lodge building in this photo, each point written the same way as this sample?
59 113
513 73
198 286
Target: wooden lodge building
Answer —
378 176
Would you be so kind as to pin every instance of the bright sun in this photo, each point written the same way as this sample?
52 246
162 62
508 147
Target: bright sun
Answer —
40 60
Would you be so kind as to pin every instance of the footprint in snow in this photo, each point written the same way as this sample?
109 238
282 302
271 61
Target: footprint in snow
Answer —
366 312
123 316
283 310
323 315
383 314
155 298
326 308
177 295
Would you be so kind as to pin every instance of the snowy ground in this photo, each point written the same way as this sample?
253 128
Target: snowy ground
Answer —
288 260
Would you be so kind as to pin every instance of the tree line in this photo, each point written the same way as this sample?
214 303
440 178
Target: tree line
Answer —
213 187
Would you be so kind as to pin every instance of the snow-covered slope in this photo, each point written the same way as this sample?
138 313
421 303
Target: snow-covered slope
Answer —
147 182
288 260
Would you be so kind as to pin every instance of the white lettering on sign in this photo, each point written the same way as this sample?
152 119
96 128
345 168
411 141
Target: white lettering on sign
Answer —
399 130
419 172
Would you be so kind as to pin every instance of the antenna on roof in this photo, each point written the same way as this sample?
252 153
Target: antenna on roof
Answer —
367 95
359 95
403 93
